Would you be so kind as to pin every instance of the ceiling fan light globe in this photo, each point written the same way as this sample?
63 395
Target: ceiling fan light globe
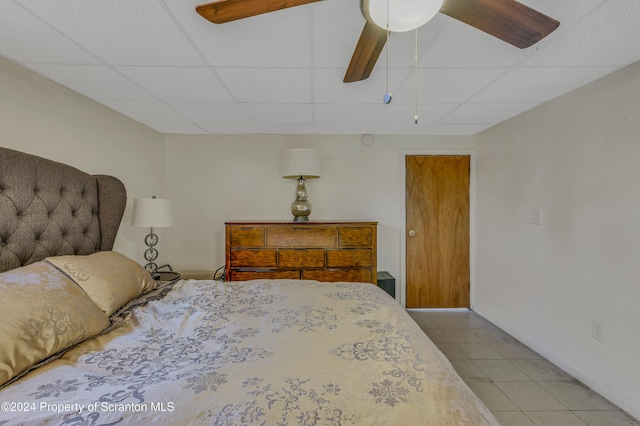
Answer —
404 15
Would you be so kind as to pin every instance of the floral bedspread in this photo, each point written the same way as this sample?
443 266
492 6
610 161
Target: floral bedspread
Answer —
264 352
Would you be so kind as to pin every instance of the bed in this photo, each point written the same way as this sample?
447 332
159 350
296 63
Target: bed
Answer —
88 338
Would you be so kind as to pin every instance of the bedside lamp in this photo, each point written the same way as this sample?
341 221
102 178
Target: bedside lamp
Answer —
300 164
151 213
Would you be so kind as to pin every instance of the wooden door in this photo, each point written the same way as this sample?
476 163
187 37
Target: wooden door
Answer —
437 241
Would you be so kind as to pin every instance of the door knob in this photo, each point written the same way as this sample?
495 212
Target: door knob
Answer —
412 233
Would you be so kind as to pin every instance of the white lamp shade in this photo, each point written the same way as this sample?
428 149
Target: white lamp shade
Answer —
297 162
152 213
404 15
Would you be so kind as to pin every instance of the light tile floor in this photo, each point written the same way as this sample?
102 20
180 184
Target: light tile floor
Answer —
519 386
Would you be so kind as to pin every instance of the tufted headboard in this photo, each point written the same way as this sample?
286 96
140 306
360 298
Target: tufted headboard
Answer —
52 209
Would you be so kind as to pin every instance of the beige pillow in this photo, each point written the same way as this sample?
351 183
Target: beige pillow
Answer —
41 313
108 277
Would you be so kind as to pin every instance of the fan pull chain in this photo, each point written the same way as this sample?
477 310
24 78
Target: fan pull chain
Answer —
387 95
415 59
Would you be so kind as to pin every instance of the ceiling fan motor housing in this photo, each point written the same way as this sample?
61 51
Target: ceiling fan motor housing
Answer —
400 15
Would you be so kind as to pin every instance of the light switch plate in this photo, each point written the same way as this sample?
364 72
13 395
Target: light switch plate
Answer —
535 217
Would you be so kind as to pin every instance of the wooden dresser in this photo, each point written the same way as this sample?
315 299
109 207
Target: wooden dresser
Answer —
315 250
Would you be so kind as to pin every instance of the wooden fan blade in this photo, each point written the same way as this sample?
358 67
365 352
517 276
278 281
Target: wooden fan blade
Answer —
507 20
370 44
222 11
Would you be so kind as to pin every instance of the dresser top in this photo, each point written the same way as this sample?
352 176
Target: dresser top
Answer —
291 222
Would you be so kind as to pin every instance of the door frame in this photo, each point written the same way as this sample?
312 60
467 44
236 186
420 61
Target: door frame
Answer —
403 205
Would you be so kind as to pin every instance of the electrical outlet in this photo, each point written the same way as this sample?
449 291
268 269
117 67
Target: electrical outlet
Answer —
596 331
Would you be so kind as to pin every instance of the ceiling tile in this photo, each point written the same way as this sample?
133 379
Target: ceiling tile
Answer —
341 129
94 81
119 31
486 113
336 29
446 85
537 84
279 85
300 129
280 39
347 114
329 88
608 36
196 84
405 114
397 128
206 112
41 43
279 113
176 128
147 112
456 129
230 128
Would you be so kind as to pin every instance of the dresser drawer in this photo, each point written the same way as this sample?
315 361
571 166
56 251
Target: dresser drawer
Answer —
301 258
266 274
302 236
266 258
316 250
349 258
247 236
335 275
355 237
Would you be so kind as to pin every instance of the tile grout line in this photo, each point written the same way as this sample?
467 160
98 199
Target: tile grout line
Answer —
451 328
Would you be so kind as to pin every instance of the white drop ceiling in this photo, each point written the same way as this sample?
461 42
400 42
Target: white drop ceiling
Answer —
160 63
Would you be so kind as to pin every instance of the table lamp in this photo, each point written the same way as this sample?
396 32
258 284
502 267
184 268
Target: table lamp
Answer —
151 213
300 164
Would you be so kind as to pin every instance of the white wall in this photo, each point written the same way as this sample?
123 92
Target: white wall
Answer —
213 179
40 117
575 159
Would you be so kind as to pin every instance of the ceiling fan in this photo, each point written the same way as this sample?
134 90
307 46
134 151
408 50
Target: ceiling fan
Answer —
508 20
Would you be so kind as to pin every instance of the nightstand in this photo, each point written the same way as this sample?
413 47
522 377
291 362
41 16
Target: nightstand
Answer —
196 274
167 276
